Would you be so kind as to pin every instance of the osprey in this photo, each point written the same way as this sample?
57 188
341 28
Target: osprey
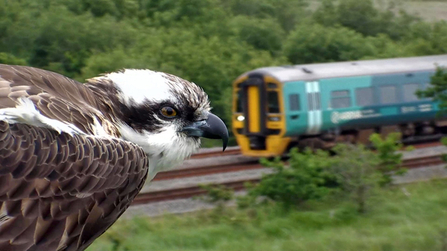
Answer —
73 156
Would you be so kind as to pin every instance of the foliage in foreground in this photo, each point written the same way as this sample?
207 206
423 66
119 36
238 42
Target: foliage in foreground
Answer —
390 159
438 92
437 89
409 217
356 170
353 171
304 178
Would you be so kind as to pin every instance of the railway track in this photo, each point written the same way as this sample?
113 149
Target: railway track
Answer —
423 162
234 150
427 144
205 170
196 190
187 192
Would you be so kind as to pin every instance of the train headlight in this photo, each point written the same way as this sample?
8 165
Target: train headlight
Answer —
240 118
274 119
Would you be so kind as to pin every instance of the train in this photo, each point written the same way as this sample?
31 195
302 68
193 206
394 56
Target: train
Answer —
319 105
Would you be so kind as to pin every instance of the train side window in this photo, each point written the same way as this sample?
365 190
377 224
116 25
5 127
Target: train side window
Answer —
294 102
388 94
272 102
342 93
340 99
317 100
410 92
364 96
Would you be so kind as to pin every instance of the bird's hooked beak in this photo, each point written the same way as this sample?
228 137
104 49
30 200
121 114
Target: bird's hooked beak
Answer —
212 128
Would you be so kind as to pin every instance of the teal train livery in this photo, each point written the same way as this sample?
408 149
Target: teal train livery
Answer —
318 105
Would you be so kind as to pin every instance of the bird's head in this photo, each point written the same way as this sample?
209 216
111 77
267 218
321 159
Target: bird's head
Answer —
165 115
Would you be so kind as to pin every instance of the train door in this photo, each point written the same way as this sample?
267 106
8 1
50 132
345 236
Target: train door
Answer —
314 118
254 97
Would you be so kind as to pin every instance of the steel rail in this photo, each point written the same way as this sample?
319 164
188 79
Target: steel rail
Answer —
196 190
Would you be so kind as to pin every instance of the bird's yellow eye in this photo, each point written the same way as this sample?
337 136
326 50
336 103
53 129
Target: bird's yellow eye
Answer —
168 112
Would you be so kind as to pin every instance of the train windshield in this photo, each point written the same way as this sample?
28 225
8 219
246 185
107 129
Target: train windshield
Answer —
239 101
272 102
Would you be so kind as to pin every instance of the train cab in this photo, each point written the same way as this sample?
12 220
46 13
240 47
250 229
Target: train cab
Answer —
259 115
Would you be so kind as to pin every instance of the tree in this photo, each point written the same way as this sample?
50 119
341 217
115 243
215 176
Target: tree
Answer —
359 170
326 13
437 89
263 34
310 43
358 15
355 168
438 92
6 58
390 159
430 41
365 18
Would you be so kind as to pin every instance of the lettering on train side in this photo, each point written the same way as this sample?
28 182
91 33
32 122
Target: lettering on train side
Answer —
337 117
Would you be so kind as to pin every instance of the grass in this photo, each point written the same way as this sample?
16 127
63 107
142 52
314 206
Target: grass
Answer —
429 10
410 217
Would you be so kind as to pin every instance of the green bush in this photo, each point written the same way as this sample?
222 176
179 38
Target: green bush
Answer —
438 92
355 169
359 170
217 193
303 179
6 58
437 89
390 158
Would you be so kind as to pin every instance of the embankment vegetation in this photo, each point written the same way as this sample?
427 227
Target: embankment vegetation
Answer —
313 202
209 42
407 217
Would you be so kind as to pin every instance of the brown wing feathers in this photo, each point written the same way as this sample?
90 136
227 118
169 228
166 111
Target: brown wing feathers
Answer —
54 186
55 96
60 192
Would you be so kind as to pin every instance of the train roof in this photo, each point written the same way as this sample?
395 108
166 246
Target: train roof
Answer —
352 68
